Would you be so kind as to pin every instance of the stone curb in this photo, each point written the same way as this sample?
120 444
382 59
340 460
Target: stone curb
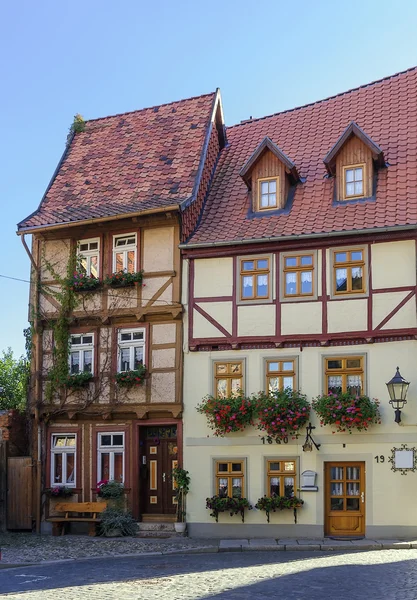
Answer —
235 546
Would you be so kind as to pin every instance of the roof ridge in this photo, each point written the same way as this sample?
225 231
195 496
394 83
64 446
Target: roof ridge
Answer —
359 87
129 112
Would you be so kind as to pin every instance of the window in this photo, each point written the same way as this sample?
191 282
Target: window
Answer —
63 464
344 374
88 255
131 344
268 193
298 275
255 279
349 267
281 475
353 181
111 456
280 375
124 253
228 379
81 353
230 477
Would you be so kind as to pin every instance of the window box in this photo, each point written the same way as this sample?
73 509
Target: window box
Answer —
131 378
78 381
347 411
233 506
124 279
60 491
282 414
274 503
227 415
81 282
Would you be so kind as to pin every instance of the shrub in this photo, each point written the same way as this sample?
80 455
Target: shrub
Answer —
110 489
347 411
114 519
282 414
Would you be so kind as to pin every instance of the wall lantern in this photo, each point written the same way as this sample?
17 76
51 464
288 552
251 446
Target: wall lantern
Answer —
397 389
309 442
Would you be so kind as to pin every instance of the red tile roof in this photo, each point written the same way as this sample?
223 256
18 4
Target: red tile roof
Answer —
386 110
128 163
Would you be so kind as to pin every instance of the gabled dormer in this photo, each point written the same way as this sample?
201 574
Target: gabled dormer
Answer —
269 175
353 162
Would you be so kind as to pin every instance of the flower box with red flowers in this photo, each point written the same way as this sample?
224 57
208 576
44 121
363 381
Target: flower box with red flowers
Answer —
124 279
282 414
131 378
227 415
347 411
81 282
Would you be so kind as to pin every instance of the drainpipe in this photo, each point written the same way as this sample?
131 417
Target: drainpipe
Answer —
38 387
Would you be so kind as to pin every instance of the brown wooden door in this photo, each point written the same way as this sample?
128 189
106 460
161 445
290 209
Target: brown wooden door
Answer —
19 493
345 499
161 456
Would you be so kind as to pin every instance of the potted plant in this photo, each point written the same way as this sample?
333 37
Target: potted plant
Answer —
233 506
81 282
227 415
131 378
181 479
347 411
123 279
282 414
116 522
273 503
77 381
59 491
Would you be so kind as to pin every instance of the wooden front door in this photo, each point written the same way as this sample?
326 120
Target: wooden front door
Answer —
159 457
345 499
19 493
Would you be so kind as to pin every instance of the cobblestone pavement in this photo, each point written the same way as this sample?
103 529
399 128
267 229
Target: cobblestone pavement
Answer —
370 575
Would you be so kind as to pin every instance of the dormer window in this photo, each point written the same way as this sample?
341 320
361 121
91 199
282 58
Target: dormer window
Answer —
270 176
354 177
268 191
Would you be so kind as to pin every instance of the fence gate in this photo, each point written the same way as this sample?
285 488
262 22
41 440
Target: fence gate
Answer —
19 493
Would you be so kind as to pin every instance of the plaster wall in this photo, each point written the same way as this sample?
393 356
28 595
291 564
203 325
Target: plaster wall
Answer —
158 249
393 264
213 277
347 315
299 318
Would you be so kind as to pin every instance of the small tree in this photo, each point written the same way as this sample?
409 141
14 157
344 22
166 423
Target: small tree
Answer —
182 483
14 375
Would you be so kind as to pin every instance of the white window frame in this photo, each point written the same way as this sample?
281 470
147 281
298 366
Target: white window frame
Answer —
124 250
131 344
81 349
89 254
63 450
111 450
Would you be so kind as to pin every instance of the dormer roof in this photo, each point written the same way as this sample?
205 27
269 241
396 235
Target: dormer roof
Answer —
351 130
265 145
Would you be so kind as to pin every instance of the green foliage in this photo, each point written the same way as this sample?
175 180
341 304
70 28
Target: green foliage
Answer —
274 503
111 489
77 126
233 506
59 491
282 414
182 481
123 279
347 411
131 378
81 282
14 378
116 519
226 415
77 381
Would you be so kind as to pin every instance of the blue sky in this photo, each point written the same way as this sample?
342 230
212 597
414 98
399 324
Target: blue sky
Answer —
100 58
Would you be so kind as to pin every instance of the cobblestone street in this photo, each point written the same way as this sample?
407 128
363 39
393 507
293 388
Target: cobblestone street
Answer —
372 575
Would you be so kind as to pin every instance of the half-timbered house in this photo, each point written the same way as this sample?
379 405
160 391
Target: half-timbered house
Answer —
302 275
105 302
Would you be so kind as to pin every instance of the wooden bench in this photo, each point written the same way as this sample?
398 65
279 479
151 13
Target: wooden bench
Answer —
75 513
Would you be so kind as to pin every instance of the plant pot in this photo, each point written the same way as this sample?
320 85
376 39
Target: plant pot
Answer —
113 533
180 527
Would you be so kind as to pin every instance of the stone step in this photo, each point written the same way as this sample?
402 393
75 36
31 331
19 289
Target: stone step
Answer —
161 527
159 534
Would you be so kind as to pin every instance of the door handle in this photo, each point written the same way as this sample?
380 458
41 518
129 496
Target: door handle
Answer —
363 497
163 479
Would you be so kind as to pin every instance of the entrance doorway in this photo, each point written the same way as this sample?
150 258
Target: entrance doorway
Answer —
158 456
344 499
